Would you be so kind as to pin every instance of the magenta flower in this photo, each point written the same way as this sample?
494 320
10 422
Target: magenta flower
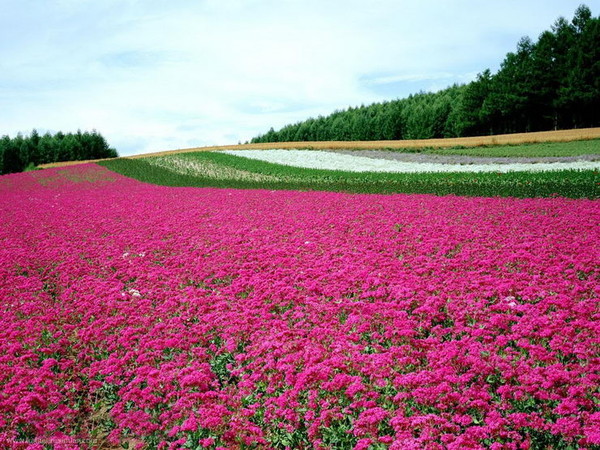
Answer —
171 317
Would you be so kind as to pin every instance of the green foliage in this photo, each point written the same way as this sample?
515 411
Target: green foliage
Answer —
10 155
280 438
25 152
30 167
565 183
339 434
549 84
219 366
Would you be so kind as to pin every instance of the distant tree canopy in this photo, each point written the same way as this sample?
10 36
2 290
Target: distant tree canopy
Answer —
21 152
553 83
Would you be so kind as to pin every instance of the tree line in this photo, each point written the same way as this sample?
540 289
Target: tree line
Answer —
553 83
22 152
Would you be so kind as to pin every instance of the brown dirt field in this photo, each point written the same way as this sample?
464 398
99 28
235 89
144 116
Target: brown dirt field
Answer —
476 141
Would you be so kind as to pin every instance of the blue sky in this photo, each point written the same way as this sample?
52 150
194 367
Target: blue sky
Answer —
155 75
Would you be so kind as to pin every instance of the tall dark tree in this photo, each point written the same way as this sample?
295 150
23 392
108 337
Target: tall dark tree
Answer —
11 159
582 84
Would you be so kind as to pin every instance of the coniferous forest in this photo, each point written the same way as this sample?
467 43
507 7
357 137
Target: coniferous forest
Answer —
23 152
550 84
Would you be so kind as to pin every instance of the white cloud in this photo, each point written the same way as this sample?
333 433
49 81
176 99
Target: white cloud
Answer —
152 75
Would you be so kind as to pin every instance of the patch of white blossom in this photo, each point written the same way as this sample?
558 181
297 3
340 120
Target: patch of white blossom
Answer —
314 159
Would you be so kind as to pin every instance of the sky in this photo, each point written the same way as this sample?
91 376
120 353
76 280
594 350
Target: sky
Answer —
154 75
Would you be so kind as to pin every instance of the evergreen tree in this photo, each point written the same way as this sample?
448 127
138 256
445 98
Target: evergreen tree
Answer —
11 159
46 149
34 142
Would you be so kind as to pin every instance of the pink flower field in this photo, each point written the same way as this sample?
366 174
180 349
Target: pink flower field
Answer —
155 317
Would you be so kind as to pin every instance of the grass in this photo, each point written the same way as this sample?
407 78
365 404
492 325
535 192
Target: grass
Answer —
203 169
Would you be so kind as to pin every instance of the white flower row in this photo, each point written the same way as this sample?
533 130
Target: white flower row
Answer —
313 159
